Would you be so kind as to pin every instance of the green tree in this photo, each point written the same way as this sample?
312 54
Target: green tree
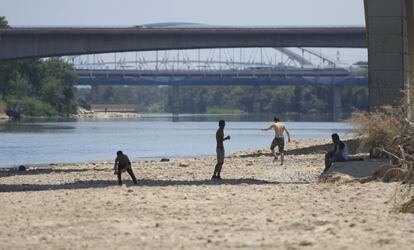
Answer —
3 22
61 74
19 85
38 87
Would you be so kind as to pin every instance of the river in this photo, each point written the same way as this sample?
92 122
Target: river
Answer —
151 137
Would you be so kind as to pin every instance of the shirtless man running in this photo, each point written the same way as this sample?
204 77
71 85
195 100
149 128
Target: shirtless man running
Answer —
279 139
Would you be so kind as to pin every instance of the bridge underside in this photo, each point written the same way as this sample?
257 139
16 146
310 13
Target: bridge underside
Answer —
16 43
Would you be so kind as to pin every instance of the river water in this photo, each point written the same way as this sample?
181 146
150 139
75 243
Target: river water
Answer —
153 137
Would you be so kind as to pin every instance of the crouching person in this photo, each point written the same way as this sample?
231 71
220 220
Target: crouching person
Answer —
123 164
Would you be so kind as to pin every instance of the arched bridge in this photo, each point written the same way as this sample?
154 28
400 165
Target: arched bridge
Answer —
258 66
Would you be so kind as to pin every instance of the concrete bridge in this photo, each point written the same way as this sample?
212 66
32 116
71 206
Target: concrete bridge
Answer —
390 31
17 43
389 36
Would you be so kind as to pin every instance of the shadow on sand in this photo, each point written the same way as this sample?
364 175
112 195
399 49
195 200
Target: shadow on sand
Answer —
141 183
48 171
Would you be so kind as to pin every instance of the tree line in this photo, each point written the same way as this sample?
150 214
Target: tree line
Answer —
228 99
37 87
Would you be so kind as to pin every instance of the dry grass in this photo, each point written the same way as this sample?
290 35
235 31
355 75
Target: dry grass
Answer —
337 178
379 130
380 171
389 133
394 174
408 207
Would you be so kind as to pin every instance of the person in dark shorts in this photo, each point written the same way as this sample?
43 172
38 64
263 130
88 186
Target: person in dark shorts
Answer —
220 150
279 140
122 163
339 152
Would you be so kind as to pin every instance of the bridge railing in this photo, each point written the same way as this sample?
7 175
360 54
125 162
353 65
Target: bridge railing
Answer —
236 72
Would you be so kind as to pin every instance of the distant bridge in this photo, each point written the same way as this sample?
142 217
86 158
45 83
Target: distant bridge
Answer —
230 68
226 77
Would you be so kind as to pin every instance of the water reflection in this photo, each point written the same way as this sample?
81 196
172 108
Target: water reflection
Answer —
24 127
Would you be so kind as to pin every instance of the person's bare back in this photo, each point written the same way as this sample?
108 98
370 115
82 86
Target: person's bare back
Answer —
279 128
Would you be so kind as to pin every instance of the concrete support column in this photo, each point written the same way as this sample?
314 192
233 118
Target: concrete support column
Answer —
390 48
257 99
94 92
409 5
337 104
175 100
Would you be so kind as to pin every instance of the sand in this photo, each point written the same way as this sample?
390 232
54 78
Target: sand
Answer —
259 205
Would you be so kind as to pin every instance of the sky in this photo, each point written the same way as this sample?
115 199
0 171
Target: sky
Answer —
213 12
226 12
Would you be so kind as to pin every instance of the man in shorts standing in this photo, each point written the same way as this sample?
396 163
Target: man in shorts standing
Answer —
279 139
220 150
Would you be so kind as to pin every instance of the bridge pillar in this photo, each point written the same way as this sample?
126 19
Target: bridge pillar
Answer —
175 100
257 99
94 92
337 104
390 30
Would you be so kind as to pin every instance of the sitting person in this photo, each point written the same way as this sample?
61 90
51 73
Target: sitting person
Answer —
339 152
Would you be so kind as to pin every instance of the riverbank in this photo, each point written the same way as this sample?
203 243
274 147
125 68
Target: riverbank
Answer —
259 204
4 117
94 115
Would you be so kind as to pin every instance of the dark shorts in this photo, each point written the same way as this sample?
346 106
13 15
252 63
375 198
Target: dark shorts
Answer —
279 142
339 158
123 167
220 155
336 158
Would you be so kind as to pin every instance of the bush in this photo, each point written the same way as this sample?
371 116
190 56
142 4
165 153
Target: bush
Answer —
29 106
380 130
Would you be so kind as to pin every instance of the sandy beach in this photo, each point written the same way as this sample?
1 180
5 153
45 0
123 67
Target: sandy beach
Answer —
258 205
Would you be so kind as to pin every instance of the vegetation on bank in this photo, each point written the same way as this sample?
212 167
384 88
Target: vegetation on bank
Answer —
389 133
3 22
37 87
228 99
